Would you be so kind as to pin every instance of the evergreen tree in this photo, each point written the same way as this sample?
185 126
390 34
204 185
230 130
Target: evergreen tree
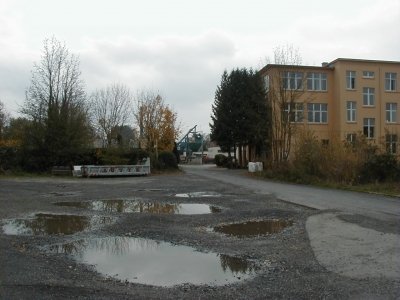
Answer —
221 126
240 112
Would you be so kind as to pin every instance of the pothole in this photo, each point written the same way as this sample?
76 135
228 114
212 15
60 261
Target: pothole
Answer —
198 195
137 206
253 228
150 262
51 224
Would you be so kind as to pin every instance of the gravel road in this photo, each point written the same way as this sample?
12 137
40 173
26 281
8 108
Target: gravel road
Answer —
286 264
361 239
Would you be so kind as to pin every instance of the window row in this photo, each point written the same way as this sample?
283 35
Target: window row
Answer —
391 112
316 112
390 80
294 81
369 96
391 140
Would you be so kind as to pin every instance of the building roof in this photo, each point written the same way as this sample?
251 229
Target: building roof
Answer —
271 66
363 60
326 66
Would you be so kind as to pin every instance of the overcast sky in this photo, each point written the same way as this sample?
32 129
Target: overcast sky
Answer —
181 47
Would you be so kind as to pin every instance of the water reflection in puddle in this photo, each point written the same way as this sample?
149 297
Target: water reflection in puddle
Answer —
253 228
198 195
135 206
156 263
49 224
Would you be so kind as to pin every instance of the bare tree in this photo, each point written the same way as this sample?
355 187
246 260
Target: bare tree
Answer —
4 117
55 104
56 85
111 109
157 122
285 89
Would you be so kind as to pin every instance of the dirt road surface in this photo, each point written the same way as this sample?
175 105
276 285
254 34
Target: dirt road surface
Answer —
289 263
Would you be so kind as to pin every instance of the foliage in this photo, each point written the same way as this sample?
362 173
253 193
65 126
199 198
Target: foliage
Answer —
119 156
337 162
220 160
380 167
8 158
157 122
4 116
222 126
240 114
14 133
110 109
167 160
55 106
308 155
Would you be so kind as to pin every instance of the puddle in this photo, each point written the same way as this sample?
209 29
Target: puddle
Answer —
49 224
61 194
253 228
135 206
198 195
151 190
151 262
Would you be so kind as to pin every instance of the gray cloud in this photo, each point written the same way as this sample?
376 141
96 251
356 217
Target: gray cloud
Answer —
182 52
185 70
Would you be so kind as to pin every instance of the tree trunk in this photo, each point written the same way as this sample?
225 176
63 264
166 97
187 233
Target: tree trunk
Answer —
240 156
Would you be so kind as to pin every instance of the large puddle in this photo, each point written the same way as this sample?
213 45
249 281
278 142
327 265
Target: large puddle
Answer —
151 262
136 206
253 228
50 224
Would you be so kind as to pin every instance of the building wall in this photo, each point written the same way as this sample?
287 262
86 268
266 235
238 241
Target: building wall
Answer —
337 95
376 111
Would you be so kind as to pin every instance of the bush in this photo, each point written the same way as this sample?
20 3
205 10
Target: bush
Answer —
167 160
308 154
380 167
118 156
338 161
220 160
8 158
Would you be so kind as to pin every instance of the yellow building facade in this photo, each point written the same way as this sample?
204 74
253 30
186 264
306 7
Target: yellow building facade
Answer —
343 98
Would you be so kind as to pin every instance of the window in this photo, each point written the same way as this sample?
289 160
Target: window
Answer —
266 83
316 82
351 111
369 126
368 96
351 138
368 74
292 80
391 112
351 80
391 143
390 81
317 112
295 112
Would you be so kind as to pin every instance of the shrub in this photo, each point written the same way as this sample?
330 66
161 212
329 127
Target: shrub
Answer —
307 156
8 157
119 156
220 160
167 160
380 167
338 161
